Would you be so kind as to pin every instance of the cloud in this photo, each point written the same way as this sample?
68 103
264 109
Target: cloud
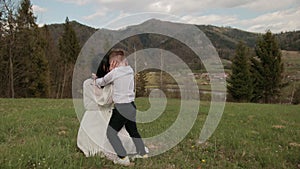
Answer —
264 6
250 15
192 6
180 7
278 21
160 6
275 21
210 19
77 2
99 13
196 6
109 1
37 9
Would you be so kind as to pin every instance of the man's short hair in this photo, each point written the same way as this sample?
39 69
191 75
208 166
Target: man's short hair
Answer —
116 52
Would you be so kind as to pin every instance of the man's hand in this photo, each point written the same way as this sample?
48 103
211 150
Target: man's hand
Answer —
94 76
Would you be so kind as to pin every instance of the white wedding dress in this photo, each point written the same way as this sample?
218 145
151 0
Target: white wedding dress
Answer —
92 139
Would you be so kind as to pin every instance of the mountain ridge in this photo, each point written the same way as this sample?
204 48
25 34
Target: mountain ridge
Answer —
224 39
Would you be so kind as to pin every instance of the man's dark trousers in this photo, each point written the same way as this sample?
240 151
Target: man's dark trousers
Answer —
124 114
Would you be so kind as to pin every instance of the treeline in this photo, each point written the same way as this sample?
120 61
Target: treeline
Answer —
31 64
257 75
39 62
226 39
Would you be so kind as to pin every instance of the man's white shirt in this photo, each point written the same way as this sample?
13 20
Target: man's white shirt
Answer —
123 83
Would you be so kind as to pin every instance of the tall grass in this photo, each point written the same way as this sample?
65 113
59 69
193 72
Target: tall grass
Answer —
41 133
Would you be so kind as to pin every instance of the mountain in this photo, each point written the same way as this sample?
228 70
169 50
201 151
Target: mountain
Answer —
224 39
83 32
289 40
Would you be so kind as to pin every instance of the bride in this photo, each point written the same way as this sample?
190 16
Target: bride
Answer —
91 138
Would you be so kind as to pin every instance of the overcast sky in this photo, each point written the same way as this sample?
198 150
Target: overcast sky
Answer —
249 15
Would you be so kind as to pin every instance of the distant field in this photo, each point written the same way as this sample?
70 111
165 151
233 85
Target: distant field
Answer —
41 133
291 60
291 63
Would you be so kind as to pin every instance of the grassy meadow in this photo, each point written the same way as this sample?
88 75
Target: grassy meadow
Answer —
41 133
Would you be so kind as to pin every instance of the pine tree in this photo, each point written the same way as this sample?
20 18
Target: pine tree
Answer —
141 81
54 62
239 83
267 68
3 62
8 46
32 74
40 87
69 49
25 17
256 70
296 96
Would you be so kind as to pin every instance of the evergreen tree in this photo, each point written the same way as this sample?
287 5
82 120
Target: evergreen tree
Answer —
32 74
296 96
239 83
267 68
25 18
54 62
3 63
141 81
40 86
256 70
8 46
69 49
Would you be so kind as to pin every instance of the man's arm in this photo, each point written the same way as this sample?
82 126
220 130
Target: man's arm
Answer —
107 79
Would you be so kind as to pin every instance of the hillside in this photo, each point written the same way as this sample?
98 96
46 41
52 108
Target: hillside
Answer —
224 39
289 40
83 32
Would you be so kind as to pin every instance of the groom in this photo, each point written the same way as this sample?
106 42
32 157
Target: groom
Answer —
124 113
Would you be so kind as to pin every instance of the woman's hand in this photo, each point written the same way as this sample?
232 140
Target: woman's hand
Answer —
94 76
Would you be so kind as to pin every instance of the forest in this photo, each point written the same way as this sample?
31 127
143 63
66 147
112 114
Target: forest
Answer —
38 62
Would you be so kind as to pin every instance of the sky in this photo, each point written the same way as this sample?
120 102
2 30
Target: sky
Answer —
249 15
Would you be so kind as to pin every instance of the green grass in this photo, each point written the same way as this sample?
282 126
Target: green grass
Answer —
291 60
41 133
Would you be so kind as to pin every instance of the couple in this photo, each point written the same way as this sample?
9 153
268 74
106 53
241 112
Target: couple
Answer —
103 132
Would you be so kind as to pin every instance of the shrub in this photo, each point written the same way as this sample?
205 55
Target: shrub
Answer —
296 96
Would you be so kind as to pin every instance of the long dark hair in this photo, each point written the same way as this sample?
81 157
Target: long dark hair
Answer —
103 68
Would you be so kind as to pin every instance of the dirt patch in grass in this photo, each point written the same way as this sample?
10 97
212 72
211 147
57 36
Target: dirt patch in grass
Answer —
293 144
278 126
